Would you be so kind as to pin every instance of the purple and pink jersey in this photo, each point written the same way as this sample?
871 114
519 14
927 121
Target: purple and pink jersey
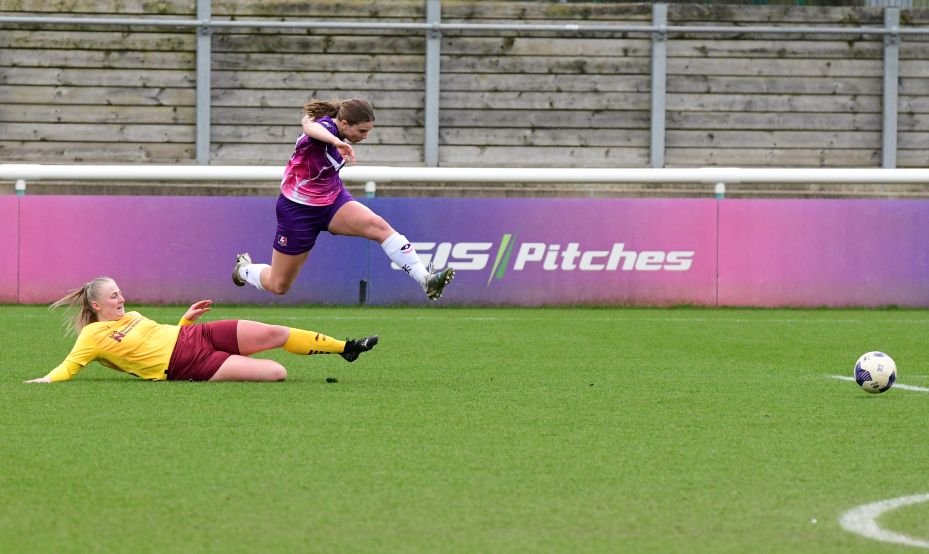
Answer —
312 174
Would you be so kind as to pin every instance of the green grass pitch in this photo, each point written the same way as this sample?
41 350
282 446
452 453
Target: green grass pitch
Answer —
477 430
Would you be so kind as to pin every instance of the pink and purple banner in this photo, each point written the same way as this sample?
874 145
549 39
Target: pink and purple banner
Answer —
568 251
505 251
824 253
9 249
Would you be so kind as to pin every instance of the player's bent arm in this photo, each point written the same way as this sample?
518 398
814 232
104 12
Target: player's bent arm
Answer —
316 131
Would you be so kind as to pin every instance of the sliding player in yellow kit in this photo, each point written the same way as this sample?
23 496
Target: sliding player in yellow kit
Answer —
213 351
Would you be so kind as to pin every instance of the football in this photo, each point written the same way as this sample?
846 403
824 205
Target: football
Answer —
875 372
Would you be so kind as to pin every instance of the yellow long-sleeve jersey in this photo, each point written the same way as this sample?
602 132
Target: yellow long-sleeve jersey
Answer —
132 344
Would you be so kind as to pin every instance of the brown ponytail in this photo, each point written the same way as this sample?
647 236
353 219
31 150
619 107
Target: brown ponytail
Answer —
80 299
354 111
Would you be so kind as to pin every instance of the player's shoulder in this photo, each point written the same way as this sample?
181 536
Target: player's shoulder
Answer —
327 122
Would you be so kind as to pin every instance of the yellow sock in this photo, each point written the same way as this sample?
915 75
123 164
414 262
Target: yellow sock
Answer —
311 342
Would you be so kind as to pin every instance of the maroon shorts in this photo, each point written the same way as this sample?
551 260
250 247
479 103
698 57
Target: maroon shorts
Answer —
201 349
299 225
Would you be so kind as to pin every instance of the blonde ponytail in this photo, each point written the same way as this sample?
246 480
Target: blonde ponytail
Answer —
79 300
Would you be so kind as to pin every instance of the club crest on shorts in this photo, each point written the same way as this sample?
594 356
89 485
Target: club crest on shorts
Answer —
281 240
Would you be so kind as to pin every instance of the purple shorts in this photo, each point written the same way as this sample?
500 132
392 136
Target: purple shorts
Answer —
298 225
201 348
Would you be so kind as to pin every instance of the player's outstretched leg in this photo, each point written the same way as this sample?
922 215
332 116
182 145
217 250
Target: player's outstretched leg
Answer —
436 281
354 347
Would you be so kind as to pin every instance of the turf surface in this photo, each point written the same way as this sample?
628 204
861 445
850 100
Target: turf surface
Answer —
476 430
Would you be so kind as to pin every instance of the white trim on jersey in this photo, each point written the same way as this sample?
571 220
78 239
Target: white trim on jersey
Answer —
335 165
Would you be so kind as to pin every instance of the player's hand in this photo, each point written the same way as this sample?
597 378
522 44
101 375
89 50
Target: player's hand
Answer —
347 152
39 380
197 309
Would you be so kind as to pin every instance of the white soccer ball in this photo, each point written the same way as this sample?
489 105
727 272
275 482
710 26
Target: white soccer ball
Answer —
875 372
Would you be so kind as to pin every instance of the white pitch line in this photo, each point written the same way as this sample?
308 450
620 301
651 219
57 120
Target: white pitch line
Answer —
913 388
862 520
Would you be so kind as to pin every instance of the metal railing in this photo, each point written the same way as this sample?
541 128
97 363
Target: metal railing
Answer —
717 177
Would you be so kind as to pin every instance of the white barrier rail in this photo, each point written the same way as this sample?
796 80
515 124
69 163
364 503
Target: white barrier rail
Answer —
719 177
384 174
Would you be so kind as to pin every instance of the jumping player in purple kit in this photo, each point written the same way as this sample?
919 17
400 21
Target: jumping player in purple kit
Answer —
313 199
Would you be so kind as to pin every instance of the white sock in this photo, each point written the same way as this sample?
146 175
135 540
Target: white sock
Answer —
401 252
252 274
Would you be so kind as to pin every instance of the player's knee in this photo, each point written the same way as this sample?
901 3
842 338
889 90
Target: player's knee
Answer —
273 336
377 228
380 225
278 287
276 334
277 372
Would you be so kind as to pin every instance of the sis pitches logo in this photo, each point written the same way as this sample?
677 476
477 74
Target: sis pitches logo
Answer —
512 255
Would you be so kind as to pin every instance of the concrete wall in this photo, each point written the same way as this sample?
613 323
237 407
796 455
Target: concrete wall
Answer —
103 94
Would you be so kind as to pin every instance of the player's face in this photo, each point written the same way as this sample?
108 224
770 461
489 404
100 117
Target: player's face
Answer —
109 303
357 132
